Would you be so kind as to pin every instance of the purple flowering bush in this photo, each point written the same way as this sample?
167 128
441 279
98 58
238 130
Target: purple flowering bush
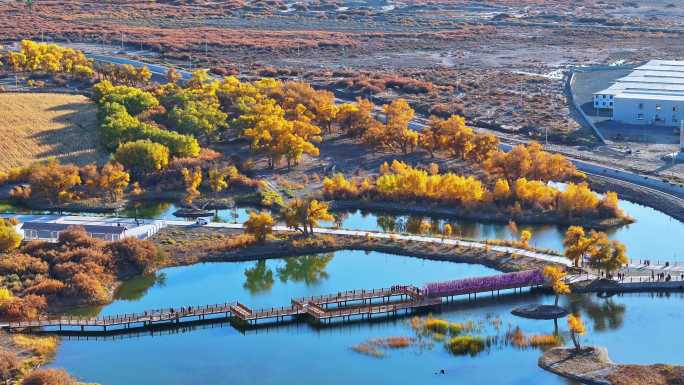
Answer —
480 284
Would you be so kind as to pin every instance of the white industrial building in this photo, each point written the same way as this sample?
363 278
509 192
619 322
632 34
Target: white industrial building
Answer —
653 94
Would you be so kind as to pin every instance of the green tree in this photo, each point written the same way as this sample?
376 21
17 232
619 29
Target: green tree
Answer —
197 118
142 157
258 278
133 99
309 269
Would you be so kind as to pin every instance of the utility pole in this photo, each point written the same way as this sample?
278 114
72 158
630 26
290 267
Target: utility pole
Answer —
522 102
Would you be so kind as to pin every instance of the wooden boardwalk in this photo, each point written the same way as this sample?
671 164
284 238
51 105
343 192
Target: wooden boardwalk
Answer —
342 306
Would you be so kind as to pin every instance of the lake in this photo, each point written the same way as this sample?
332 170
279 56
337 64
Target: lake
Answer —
303 353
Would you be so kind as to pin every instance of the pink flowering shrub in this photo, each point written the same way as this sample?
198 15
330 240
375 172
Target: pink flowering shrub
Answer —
480 284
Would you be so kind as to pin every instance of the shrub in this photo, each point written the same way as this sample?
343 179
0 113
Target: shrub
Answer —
466 345
42 345
24 308
9 365
46 287
10 239
20 264
139 255
233 243
437 325
87 287
49 377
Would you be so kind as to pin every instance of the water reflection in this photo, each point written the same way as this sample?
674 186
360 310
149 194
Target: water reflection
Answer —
648 238
258 278
309 269
137 288
147 209
604 313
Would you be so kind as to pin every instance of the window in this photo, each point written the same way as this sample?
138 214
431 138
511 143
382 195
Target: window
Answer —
674 108
640 116
610 104
658 107
641 106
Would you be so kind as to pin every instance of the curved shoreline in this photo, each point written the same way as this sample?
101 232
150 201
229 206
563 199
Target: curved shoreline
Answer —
592 366
424 208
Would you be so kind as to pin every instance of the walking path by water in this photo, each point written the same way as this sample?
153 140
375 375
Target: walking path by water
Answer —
344 306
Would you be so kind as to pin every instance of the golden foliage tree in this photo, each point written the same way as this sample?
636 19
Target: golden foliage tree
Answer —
54 182
530 162
607 254
576 244
304 214
10 239
448 230
356 118
217 180
577 329
49 58
502 191
260 225
395 134
192 180
555 275
525 237
113 180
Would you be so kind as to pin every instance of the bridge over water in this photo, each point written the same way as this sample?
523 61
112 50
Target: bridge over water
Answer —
342 306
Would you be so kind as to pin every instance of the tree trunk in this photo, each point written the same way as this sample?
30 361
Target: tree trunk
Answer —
555 326
575 341
557 297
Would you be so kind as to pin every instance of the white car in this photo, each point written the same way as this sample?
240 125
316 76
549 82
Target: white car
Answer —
201 222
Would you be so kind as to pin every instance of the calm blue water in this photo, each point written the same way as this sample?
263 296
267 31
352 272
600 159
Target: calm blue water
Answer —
301 353
650 237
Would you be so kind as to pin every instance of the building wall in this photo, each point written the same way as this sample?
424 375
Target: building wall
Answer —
656 112
602 101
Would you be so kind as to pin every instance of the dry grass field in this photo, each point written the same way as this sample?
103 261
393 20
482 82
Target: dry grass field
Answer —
38 126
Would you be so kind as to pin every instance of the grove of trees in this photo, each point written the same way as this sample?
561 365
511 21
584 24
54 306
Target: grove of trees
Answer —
401 182
77 269
603 253
48 58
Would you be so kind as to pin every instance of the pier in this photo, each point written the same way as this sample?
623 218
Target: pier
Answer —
342 306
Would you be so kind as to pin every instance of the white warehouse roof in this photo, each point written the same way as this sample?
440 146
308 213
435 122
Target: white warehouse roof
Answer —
657 79
639 96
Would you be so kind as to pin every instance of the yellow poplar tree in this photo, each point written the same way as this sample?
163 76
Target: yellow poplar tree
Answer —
192 180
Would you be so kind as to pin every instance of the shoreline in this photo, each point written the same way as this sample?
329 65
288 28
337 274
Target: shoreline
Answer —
665 203
424 208
297 246
592 366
